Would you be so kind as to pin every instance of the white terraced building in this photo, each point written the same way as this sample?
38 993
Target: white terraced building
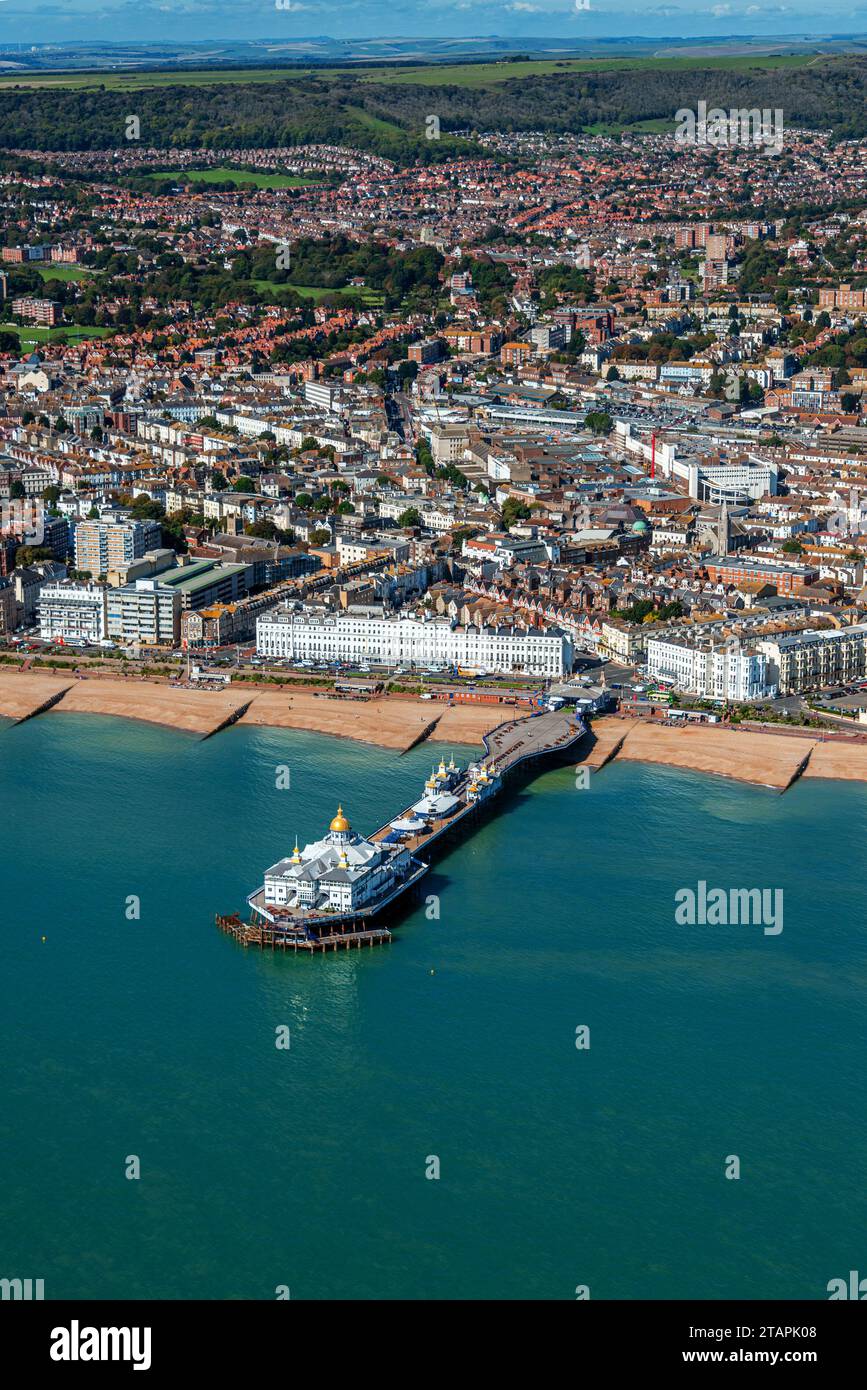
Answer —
71 611
401 641
716 671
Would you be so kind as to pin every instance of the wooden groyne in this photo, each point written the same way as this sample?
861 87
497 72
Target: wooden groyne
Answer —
230 719
45 706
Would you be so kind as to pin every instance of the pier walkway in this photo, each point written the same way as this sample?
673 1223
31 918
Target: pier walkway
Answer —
509 747
538 736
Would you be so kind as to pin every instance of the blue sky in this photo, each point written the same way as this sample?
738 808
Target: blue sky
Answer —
47 21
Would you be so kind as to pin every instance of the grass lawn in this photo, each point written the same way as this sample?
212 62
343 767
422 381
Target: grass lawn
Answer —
236 175
370 122
60 271
374 298
655 126
72 332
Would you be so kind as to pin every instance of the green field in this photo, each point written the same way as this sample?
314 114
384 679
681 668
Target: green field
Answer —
374 298
73 333
453 74
137 81
60 271
375 123
485 74
656 126
236 175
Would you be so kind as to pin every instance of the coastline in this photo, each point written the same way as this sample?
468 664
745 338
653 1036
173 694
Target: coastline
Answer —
389 722
761 758
754 756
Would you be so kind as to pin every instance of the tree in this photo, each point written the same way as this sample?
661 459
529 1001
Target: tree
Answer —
514 510
144 508
320 536
598 422
17 489
219 481
792 547
410 517
9 342
424 456
51 494
29 554
265 530
244 484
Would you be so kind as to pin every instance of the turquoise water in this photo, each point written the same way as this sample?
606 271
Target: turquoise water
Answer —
306 1168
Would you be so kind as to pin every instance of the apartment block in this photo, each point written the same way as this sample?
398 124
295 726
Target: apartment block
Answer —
109 543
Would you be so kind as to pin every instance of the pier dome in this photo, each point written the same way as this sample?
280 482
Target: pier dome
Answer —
340 824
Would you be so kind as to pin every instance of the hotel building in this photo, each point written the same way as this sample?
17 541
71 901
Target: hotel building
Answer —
69 611
812 659
401 641
711 670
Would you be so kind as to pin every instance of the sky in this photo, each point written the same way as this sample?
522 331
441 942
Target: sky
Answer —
48 21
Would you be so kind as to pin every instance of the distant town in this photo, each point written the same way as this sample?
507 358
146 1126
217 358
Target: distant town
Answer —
568 414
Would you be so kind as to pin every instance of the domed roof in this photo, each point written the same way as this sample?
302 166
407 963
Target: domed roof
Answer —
340 824
639 527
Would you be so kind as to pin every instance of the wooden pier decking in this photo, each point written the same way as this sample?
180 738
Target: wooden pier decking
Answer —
273 938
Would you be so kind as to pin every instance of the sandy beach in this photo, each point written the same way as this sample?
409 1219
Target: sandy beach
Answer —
748 755
22 696
389 723
196 711
771 760
845 762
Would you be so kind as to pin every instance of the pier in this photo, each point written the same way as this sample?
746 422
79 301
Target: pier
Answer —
452 806
266 937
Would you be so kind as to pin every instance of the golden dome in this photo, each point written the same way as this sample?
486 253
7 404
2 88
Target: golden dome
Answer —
340 824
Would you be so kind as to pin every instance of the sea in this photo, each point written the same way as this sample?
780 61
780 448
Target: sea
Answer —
544 1085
